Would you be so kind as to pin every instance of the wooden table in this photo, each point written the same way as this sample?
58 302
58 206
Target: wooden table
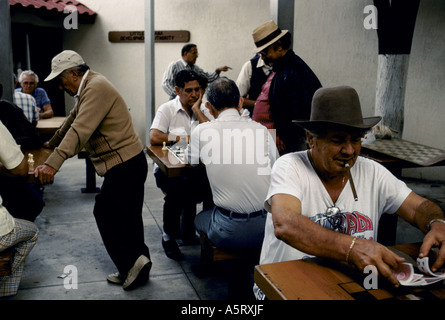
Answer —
322 279
49 126
167 162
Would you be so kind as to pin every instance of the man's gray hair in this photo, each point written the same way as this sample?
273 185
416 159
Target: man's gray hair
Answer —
223 93
28 73
80 69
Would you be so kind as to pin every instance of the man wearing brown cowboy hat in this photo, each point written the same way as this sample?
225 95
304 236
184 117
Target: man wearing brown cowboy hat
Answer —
288 91
327 201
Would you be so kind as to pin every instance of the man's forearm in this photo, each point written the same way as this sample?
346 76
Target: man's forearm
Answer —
425 213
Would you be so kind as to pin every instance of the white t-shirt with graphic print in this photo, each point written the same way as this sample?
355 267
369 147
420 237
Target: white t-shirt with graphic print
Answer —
377 189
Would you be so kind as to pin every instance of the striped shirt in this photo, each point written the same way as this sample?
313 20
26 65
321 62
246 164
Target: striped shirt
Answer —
27 103
168 81
41 97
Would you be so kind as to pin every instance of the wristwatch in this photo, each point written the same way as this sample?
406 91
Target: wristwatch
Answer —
428 227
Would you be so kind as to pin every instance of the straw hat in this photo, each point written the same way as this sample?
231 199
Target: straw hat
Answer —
338 105
63 61
266 34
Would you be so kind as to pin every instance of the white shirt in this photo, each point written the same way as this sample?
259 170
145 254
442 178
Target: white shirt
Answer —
243 80
378 192
238 154
172 118
10 157
79 90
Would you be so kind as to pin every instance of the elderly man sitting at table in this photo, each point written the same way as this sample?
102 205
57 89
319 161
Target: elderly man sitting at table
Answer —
316 210
174 121
237 153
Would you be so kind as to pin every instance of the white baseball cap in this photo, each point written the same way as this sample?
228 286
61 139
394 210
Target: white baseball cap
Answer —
63 61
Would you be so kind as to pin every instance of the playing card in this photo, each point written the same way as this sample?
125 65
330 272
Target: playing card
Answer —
404 273
424 267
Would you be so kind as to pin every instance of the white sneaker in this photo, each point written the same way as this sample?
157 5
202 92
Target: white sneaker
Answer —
138 274
115 278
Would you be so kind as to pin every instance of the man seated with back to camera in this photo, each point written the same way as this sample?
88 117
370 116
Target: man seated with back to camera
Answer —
312 198
237 153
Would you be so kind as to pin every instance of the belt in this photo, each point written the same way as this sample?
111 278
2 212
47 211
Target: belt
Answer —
232 214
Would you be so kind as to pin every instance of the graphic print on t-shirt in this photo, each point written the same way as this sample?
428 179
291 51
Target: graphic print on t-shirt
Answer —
344 222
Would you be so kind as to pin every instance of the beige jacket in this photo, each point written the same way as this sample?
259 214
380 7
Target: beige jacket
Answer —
101 124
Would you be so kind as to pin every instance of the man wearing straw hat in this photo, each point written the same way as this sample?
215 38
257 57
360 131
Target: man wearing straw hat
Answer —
288 91
327 201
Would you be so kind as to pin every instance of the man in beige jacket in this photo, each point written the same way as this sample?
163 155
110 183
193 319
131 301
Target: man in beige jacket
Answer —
101 124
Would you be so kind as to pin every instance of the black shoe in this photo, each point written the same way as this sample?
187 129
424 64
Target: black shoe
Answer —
172 250
191 240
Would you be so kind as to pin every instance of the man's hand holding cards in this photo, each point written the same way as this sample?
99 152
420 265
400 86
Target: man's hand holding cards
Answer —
407 277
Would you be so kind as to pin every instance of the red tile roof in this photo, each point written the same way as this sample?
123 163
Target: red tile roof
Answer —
55 5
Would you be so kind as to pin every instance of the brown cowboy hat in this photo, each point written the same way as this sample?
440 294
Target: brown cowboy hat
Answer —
340 106
266 34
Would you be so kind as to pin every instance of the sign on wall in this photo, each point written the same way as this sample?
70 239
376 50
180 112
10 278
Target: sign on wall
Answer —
138 36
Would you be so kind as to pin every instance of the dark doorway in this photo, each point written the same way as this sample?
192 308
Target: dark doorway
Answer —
33 48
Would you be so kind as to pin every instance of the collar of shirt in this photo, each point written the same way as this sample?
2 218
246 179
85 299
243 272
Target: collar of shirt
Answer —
229 115
76 97
179 108
262 64
187 65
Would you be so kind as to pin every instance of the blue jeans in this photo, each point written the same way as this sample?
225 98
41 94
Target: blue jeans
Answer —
231 232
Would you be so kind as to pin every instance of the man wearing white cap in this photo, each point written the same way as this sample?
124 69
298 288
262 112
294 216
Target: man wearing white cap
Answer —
101 124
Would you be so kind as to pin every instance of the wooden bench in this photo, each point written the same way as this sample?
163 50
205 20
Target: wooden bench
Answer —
5 262
240 263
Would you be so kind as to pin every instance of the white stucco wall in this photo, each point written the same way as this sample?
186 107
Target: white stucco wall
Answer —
333 42
221 29
425 91
122 63
328 35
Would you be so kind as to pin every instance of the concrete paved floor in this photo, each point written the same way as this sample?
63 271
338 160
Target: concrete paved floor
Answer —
69 237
